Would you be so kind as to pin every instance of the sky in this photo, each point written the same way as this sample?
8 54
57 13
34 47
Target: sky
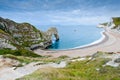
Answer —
60 12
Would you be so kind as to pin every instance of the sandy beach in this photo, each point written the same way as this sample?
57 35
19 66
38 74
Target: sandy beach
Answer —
110 43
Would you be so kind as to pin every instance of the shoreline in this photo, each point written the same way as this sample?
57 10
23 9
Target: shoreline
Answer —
103 37
109 43
86 45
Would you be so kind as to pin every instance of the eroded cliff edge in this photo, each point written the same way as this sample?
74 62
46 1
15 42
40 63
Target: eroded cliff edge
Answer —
113 24
15 35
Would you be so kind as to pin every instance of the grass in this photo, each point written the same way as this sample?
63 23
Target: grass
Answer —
79 70
25 56
22 55
105 24
20 52
27 60
2 33
21 59
116 21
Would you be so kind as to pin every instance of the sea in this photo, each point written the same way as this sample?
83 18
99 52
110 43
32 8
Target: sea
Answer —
74 36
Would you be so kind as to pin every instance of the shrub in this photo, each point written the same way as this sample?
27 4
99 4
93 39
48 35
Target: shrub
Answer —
20 52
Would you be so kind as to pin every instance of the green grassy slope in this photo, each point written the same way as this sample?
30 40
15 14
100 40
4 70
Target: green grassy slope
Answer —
79 70
116 21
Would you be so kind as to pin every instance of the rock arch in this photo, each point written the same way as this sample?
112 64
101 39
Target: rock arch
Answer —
53 31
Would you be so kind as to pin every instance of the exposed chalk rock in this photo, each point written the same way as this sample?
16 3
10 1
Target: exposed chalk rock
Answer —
24 35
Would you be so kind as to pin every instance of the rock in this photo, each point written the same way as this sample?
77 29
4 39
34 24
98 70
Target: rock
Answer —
24 35
117 60
113 24
3 44
53 31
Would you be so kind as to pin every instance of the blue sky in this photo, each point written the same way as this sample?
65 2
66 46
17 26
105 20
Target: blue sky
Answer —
64 12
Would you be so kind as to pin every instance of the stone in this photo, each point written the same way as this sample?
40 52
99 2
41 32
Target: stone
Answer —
117 60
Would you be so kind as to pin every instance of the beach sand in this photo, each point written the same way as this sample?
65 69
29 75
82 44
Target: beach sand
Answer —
111 43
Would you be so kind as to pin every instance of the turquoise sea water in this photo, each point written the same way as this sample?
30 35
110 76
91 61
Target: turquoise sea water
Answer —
73 36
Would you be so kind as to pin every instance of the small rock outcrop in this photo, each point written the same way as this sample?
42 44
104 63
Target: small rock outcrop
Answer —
24 35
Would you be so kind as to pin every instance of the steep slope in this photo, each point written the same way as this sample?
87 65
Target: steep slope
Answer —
99 66
23 35
114 23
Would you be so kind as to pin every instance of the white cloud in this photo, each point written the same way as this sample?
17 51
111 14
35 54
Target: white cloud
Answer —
77 17
88 17
91 20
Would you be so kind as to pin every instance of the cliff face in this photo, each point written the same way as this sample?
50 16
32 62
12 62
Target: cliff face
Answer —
114 23
24 35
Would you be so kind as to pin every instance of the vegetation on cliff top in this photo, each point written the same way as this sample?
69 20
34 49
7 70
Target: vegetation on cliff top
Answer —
20 52
116 21
26 56
21 55
105 24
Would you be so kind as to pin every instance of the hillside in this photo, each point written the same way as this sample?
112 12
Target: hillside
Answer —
99 66
114 23
24 35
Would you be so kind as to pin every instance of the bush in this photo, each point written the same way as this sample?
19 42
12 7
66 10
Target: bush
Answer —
20 52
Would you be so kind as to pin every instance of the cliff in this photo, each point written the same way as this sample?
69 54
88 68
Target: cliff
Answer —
24 35
114 23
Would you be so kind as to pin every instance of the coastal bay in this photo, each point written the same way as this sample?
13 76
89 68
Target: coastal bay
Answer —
109 44
60 40
74 36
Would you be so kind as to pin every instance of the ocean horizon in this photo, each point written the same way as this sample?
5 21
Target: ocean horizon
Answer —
74 36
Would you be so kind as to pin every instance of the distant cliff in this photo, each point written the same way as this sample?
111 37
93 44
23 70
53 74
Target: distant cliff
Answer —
114 23
24 35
